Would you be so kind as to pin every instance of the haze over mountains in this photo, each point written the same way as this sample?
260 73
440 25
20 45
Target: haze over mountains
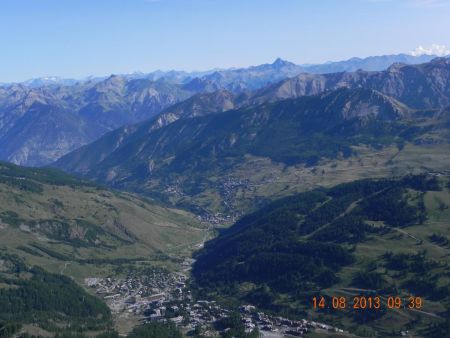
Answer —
43 119
369 63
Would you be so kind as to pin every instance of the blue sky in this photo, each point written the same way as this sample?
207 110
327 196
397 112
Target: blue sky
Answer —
77 38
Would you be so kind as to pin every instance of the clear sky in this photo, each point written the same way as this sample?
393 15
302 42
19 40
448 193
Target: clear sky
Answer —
77 38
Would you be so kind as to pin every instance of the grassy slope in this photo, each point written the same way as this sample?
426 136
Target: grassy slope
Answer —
124 226
268 180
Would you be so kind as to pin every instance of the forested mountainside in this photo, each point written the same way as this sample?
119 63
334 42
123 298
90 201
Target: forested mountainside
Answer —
32 295
371 237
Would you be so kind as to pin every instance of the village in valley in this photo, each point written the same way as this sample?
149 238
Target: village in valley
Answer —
164 296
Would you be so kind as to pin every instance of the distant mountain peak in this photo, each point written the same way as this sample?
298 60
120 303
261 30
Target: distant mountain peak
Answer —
279 62
115 77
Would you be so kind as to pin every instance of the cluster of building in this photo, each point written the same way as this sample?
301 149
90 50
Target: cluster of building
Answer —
189 315
230 186
136 293
218 218
265 323
158 295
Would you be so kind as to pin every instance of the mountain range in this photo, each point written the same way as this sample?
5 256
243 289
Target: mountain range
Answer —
427 88
38 125
79 112
194 147
243 130
371 63
421 86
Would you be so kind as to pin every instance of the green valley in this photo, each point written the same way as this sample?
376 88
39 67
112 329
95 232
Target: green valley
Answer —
80 230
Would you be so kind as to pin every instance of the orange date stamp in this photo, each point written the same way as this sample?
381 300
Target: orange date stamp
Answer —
366 302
